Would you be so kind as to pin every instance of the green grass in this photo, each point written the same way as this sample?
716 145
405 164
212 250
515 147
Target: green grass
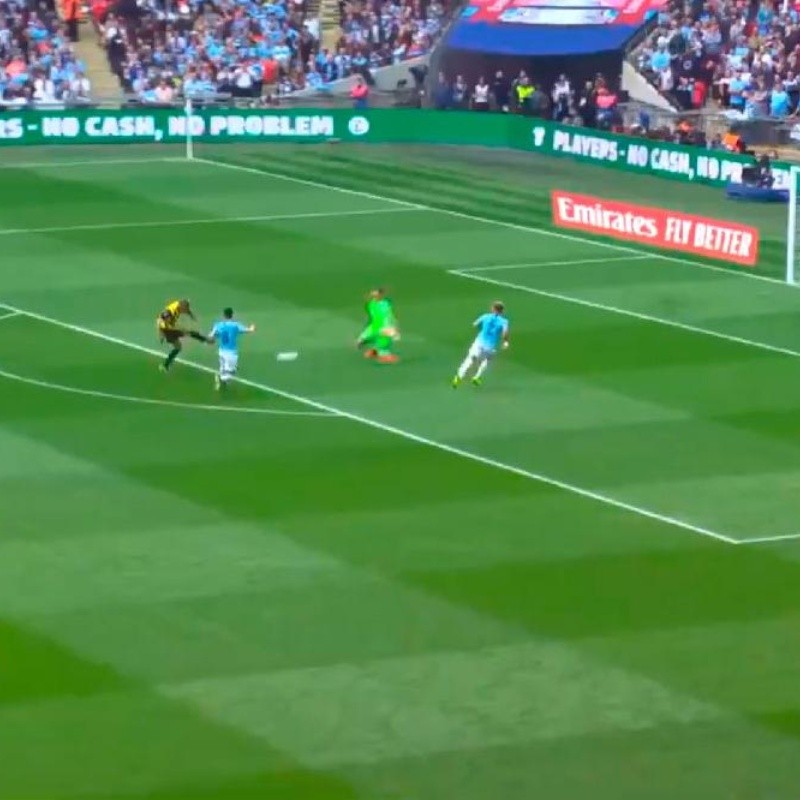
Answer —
352 582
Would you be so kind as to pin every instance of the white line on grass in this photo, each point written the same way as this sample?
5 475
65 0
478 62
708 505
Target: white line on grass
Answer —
10 315
169 223
488 221
102 162
536 264
148 401
400 432
765 539
566 298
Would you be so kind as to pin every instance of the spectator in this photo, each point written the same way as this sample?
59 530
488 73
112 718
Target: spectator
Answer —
738 86
606 102
684 93
460 93
480 95
501 91
757 105
99 11
164 93
587 105
72 16
524 94
80 88
44 90
442 94
562 98
660 59
779 101
359 93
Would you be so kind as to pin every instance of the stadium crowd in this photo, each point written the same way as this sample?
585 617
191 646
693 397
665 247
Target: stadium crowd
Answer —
739 55
38 66
195 48
593 105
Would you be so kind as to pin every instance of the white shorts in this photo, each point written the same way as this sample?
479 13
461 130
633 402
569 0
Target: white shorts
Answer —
479 351
228 362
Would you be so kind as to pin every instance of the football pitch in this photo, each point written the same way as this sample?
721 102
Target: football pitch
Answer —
348 581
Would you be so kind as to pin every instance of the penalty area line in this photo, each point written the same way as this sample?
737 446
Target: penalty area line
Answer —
624 312
788 537
537 477
9 315
529 229
574 263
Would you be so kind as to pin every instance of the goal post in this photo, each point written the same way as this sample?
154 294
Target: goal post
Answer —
791 226
189 140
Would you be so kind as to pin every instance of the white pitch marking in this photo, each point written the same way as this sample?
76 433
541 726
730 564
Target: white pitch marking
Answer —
535 264
764 539
317 184
148 401
400 432
566 298
486 220
107 226
110 162
10 315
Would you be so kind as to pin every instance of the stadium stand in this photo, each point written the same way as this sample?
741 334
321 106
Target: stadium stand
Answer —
253 48
38 64
738 56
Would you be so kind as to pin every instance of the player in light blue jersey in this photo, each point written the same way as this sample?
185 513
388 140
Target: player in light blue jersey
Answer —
492 336
226 334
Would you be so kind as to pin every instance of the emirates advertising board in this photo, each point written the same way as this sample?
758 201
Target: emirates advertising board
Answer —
675 231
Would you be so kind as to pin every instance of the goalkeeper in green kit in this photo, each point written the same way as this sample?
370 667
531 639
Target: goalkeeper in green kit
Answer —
381 332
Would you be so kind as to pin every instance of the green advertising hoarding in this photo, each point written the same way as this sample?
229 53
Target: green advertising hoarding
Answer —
625 153
646 156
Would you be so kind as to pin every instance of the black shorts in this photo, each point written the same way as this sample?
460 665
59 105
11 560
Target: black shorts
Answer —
170 335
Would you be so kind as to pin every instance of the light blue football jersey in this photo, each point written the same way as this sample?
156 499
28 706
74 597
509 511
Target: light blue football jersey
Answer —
491 330
227 332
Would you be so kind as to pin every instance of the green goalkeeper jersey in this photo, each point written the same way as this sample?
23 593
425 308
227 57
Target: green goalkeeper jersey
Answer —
381 313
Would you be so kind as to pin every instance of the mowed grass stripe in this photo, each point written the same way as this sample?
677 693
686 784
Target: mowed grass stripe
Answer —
135 743
106 226
364 713
450 449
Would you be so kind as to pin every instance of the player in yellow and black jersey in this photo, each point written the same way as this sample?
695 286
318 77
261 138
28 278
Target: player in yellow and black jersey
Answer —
169 331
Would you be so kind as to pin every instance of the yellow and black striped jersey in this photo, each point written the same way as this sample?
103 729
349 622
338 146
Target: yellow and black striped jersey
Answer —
169 317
